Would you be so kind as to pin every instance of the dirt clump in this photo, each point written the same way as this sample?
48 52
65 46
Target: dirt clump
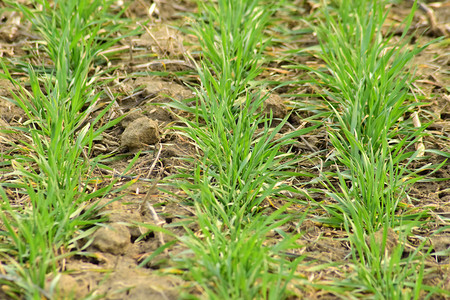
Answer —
275 104
378 240
69 287
153 87
113 239
139 133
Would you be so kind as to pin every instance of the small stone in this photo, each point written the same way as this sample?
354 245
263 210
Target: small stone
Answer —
139 133
113 239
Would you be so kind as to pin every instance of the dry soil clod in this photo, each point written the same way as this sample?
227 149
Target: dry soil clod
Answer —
139 133
114 239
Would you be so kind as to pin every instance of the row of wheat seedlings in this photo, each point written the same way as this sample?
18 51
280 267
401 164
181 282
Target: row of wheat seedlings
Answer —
53 166
367 84
239 162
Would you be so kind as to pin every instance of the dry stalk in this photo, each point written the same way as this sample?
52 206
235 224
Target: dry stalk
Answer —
419 145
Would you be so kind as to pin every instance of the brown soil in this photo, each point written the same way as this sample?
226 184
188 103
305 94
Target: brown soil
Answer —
154 70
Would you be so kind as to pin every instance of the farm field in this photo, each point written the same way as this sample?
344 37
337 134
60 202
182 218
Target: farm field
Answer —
227 149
